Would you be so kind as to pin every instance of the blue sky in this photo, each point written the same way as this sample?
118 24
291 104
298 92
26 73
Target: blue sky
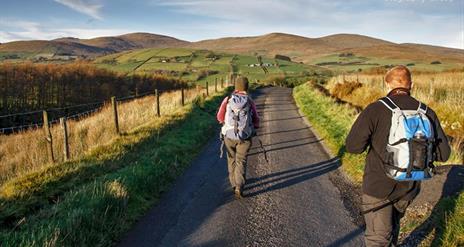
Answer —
437 22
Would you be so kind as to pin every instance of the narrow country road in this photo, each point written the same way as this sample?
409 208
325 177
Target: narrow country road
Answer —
289 201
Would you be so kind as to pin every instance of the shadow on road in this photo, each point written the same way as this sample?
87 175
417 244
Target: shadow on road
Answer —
445 207
343 240
261 112
258 147
263 106
286 147
282 131
281 119
283 179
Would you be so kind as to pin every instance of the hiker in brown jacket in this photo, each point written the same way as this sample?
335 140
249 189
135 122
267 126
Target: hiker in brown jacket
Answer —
371 130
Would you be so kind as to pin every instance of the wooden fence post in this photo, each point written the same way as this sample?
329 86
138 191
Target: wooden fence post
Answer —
64 126
158 112
48 136
114 103
182 96
207 89
215 85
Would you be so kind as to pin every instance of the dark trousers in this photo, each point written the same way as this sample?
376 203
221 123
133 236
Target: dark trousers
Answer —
383 225
237 151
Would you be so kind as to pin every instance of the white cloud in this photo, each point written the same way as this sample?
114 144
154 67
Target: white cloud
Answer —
84 7
427 22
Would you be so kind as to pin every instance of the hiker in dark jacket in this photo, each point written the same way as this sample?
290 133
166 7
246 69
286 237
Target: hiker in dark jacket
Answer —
237 132
371 131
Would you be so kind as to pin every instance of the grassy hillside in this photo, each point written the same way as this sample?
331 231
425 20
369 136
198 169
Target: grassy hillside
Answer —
42 49
199 66
307 49
67 48
299 48
356 61
92 199
133 41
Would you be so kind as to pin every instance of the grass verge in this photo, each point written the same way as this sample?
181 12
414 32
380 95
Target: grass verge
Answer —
333 121
90 202
449 220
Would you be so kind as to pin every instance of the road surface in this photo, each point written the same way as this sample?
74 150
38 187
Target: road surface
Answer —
289 200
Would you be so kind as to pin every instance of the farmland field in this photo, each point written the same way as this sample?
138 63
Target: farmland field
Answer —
199 66
353 62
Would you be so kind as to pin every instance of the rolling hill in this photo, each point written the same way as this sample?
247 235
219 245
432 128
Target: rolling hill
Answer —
306 49
299 48
129 41
202 65
91 47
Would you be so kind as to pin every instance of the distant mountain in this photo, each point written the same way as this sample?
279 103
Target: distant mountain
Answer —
39 47
93 47
299 48
304 49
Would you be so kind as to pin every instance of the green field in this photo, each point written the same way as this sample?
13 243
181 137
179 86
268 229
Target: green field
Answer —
199 66
353 63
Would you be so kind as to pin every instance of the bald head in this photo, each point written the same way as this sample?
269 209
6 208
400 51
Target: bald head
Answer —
399 76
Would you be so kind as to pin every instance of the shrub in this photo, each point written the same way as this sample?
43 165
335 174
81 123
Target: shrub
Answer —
204 73
282 57
348 54
341 90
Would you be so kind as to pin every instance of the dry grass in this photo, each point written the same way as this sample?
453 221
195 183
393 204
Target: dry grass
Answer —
26 152
443 92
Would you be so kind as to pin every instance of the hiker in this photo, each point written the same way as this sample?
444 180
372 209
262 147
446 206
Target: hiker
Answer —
240 119
404 137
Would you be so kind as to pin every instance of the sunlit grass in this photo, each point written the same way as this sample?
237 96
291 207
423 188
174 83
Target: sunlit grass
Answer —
102 191
332 121
443 92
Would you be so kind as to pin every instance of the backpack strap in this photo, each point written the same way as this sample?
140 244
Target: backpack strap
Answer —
422 108
389 103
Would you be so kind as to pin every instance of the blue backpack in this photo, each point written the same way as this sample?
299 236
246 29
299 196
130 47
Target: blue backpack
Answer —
410 144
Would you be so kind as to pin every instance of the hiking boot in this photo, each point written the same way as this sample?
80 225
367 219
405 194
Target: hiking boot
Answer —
238 193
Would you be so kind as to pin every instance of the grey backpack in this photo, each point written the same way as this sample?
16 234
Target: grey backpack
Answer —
238 119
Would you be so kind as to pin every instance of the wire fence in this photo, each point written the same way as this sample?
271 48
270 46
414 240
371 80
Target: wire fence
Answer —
83 110
66 111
